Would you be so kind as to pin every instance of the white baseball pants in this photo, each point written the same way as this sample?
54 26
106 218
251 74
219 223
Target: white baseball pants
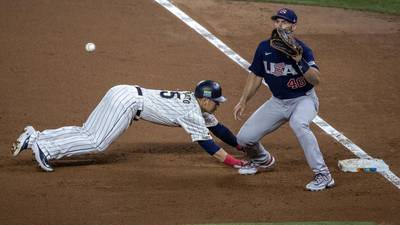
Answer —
273 114
112 116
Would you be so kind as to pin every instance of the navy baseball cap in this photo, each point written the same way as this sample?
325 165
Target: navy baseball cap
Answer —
286 14
209 89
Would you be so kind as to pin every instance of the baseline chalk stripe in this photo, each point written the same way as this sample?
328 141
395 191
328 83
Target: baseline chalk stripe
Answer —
389 175
244 64
205 33
341 138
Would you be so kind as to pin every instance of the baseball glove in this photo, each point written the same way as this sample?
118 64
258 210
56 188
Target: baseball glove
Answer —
283 41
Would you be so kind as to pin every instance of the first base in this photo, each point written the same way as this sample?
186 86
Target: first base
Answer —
367 165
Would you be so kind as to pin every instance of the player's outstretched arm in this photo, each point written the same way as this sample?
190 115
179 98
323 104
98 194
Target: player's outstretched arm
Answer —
228 159
220 154
253 82
224 134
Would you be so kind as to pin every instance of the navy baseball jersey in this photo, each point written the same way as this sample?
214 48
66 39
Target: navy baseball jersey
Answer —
280 71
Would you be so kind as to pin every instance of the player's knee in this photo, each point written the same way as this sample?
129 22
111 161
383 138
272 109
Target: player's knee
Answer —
299 127
245 140
100 146
241 138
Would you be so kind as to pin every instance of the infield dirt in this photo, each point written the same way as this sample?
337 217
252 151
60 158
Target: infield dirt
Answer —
155 175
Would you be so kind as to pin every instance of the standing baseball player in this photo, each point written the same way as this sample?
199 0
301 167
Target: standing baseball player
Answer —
124 104
291 79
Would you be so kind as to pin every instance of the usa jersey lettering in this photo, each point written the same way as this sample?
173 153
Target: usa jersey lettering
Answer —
280 72
279 69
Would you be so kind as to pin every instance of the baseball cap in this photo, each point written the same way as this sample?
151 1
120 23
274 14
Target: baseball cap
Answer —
209 89
286 14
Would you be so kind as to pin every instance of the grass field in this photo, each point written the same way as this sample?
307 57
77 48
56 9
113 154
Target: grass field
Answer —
300 223
382 6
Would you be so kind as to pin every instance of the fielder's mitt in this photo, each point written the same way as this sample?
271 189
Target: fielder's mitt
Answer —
283 41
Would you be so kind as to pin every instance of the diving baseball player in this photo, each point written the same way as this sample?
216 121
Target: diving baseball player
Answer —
291 80
122 105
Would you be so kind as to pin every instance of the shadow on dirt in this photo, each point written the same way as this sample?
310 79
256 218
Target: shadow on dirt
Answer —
122 151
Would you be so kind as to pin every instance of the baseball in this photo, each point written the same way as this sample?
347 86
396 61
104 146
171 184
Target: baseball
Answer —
90 47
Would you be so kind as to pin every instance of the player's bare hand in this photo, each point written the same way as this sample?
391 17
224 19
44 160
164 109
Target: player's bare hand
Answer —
239 110
241 164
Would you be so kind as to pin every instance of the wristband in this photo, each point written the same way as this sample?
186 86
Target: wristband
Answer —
232 161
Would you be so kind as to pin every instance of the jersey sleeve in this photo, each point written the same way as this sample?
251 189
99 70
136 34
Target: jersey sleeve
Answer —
308 56
194 124
210 119
257 66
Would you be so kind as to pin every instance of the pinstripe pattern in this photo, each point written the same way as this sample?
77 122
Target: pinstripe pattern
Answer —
114 114
108 121
181 111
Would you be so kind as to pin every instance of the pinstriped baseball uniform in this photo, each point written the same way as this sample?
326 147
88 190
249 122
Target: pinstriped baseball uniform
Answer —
117 110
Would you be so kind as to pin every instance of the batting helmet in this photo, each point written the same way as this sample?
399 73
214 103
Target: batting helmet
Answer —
209 89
